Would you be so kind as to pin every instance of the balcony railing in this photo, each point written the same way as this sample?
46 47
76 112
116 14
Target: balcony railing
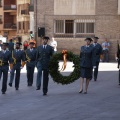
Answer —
31 8
67 35
10 26
25 12
10 7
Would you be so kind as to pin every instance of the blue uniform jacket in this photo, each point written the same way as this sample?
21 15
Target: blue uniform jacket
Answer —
86 57
97 51
43 56
32 56
5 57
19 56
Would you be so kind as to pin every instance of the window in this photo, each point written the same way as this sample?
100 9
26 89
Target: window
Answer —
0 19
89 27
74 28
84 27
69 26
64 26
80 27
1 3
59 26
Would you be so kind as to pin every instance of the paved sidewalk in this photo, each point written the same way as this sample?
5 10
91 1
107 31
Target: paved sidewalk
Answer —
63 102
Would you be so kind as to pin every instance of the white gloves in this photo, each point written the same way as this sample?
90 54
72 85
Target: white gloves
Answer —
21 67
94 67
10 70
116 58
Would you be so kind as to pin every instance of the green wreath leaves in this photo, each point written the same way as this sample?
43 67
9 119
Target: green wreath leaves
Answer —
54 68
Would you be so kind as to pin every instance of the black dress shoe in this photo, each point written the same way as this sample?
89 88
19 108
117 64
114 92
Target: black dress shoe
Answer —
95 79
38 88
3 92
16 88
85 92
80 91
29 84
10 84
44 94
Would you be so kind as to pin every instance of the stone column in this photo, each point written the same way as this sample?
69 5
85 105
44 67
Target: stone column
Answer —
32 21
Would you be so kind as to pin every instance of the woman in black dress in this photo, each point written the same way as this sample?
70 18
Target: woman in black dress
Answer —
86 64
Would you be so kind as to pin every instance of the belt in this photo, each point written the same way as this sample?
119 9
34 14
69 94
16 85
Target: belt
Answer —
32 61
18 61
4 63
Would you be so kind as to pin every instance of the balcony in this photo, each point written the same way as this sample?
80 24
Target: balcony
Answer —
24 12
10 26
31 8
10 7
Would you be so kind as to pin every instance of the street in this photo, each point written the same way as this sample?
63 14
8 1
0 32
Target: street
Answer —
63 102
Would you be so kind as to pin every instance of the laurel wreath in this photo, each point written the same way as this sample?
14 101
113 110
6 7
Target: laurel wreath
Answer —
54 68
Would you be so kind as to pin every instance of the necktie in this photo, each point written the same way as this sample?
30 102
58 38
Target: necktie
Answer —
44 46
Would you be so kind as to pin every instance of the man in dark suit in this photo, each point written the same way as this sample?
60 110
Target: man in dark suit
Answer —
97 51
18 57
5 57
30 55
44 52
11 45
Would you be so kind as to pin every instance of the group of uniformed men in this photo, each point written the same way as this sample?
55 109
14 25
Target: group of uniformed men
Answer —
13 61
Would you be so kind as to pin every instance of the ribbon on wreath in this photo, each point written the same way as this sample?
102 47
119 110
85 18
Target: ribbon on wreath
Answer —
64 52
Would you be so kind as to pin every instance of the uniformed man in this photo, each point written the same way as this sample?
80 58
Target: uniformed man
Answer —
11 45
18 56
30 55
117 57
5 57
97 51
44 52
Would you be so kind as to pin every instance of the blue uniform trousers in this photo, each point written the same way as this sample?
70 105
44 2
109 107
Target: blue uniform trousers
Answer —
4 69
96 71
30 74
45 79
17 76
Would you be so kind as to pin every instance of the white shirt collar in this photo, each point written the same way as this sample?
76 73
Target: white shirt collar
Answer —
4 51
94 44
87 45
31 49
45 46
17 50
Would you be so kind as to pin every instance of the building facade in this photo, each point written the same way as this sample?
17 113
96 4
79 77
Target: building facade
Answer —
16 18
70 21
23 19
8 12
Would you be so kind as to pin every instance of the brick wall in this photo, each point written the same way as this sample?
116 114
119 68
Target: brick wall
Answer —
107 24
